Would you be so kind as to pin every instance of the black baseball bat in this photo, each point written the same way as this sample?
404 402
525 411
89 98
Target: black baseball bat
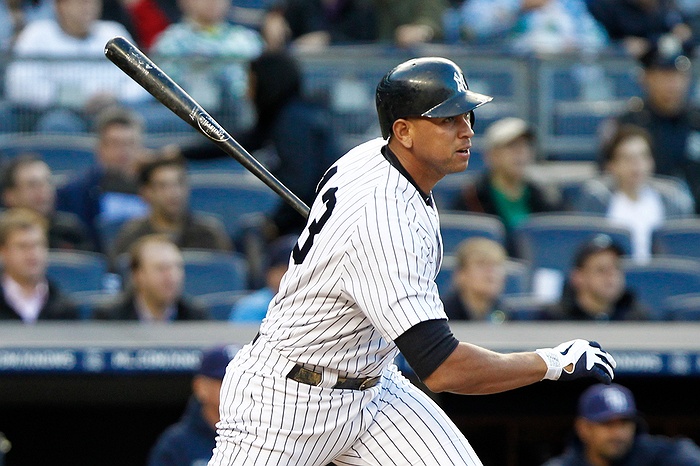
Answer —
141 69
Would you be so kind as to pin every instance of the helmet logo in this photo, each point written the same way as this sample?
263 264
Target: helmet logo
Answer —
461 83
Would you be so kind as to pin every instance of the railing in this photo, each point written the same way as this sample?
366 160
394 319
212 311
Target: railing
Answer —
565 97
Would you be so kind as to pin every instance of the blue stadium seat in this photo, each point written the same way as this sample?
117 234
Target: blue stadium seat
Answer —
63 153
220 303
232 198
678 237
456 226
88 301
214 271
550 241
524 306
682 307
660 278
75 271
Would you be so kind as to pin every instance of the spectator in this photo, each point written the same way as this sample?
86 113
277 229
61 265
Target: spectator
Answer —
667 113
596 286
537 26
504 189
216 52
27 182
163 185
25 292
317 23
107 191
157 274
144 19
253 307
628 195
638 25
610 431
66 93
408 23
192 439
14 16
294 133
478 282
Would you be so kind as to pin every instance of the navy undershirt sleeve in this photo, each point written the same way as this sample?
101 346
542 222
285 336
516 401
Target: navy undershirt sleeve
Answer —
426 345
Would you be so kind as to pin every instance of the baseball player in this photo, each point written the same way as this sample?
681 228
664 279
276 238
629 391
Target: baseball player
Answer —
318 385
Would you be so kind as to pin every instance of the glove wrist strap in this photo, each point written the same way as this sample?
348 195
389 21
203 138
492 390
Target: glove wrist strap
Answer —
551 358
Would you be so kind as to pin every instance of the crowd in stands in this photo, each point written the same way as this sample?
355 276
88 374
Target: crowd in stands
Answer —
648 157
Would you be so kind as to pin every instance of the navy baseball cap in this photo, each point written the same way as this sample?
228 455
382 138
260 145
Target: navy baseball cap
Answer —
596 244
214 361
667 53
602 403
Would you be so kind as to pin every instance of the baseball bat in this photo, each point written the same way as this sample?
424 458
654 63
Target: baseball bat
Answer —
141 69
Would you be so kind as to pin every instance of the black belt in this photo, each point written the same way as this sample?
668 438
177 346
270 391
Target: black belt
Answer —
307 376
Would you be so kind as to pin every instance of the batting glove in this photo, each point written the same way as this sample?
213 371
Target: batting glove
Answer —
578 358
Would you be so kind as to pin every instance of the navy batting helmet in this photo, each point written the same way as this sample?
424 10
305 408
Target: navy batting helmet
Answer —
430 87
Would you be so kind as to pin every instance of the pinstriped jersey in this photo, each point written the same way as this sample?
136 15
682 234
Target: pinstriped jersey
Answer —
363 271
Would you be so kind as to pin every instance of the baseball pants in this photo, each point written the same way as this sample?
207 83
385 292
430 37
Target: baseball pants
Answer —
268 419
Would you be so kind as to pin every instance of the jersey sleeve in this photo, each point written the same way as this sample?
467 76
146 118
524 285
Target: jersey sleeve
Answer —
392 265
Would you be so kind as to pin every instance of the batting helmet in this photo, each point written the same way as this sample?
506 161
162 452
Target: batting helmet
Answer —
430 87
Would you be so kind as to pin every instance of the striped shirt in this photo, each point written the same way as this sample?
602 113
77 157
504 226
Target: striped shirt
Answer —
364 269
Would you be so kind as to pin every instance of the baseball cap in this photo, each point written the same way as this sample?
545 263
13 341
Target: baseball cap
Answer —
506 130
602 403
666 53
598 243
214 361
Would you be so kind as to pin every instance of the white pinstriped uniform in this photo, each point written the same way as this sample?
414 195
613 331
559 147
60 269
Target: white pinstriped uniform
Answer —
367 278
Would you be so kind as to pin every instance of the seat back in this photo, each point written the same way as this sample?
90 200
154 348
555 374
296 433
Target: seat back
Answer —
455 227
678 237
75 271
661 278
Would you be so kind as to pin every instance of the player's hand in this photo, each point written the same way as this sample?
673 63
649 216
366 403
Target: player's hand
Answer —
578 358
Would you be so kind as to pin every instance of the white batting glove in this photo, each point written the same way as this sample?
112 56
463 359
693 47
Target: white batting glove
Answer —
578 358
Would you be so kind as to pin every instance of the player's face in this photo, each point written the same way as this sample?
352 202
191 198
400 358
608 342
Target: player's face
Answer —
161 275
440 146
167 192
34 188
25 255
607 441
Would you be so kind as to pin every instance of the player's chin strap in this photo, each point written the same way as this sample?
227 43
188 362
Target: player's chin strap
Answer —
578 358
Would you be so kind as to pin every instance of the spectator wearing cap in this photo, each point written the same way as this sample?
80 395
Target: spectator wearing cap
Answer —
253 307
595 289
628 194
667 112
504 189
610 431
191 440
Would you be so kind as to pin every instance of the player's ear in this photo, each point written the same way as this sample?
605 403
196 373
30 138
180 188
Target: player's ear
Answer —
401 132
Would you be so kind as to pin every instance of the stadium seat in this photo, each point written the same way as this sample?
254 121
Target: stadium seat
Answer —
550 241
524 306
682 307
64 154
457 226
220 303
660 278
232 197
88 301
75 271
678 237
214 271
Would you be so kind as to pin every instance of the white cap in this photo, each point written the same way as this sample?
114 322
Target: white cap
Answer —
506 130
